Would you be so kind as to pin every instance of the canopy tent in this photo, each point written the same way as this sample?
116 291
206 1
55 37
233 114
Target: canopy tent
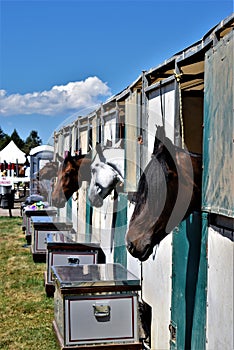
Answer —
12 154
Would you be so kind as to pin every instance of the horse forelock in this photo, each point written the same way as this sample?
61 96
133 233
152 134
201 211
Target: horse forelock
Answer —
72 159
154 180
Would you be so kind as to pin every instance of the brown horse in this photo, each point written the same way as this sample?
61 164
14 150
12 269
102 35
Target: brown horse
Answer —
71 173
168 191
48 171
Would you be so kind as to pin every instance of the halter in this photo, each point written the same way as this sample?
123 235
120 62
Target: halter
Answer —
113 166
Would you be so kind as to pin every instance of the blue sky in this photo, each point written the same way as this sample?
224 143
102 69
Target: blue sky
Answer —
62 58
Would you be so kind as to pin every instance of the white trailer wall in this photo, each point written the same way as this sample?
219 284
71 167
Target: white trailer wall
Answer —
110 129
74 202
83 144
102 227
81 213
161 99
156 288
220 290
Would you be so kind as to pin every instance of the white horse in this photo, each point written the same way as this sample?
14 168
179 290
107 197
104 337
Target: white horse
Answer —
107 173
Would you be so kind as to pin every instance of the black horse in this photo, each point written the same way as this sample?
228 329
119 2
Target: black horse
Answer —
168 191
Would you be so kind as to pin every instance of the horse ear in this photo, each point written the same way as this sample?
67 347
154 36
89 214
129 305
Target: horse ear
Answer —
159 139
109 143
98 148
100 152
58 157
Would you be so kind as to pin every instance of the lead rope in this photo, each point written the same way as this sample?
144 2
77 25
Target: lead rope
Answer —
162 110
178 78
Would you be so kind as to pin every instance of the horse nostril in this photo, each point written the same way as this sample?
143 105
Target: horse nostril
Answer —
130 247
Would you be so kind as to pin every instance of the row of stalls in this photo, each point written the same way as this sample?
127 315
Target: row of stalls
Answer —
187 284
19 173
14 179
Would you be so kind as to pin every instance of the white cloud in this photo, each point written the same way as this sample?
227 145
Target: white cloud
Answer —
71 97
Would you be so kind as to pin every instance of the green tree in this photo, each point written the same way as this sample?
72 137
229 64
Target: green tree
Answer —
17 139
4 139
33 140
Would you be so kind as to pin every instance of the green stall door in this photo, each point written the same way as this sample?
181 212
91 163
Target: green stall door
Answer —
119 230
69 209
89 213
187 261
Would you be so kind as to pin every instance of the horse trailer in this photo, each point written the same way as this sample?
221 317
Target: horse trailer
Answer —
187 281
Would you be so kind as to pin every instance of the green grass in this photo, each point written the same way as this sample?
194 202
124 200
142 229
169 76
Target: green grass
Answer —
26 313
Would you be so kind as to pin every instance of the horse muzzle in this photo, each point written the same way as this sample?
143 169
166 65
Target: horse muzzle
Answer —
59 202
96 201
142 253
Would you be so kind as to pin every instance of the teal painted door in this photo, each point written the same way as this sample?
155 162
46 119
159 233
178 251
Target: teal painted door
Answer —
198 340
89 213
69 208
119 230
187 259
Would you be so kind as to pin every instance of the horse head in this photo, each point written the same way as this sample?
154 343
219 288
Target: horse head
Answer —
49 171
168 191
72 171
106 173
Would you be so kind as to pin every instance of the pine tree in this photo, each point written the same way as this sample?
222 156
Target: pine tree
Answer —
4 139
33 140
17 140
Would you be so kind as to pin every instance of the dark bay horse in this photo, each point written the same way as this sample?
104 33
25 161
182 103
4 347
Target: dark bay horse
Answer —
168 191
72 171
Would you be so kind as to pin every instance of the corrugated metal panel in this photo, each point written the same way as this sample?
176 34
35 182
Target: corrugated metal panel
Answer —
110 129
161 110
66 140
60 144
56 145
218 181
94 132
73 138
84 141
131 145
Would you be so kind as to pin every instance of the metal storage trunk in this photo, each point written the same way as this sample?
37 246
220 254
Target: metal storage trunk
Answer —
96 305
41 226
28 212
63 250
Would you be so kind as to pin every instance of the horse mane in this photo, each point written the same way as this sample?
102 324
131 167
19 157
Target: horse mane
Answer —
164 153
72 159
161 138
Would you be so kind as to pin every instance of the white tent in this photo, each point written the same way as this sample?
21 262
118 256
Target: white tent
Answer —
11 154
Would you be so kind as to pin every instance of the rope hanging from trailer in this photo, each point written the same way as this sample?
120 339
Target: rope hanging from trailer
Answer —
178 79
161 104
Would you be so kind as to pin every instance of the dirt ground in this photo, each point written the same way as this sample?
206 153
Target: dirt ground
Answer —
14 212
